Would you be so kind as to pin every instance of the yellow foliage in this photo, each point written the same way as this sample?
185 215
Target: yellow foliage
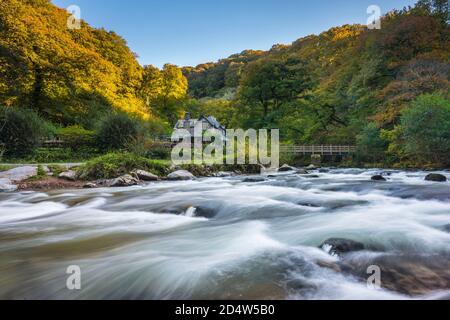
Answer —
42 55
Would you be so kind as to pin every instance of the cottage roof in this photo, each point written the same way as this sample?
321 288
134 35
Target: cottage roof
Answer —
192 122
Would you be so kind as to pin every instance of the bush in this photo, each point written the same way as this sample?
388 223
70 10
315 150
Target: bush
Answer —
426 128
55 155
113 165
21 131
116 132
161 153
76 137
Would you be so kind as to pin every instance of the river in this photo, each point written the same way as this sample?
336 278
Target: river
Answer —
223 238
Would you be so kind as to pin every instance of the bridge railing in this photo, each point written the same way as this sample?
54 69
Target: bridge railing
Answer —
323 149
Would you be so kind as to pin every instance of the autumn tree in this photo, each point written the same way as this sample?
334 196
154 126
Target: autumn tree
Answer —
164 91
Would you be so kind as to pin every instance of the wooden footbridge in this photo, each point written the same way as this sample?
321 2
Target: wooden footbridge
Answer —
318 150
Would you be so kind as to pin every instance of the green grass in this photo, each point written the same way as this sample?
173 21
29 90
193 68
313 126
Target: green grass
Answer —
41 174
57 169
6 167
55 155
113 165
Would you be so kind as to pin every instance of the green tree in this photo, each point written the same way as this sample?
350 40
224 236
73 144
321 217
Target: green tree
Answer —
440 8
165 91
269 84
371 146
426 128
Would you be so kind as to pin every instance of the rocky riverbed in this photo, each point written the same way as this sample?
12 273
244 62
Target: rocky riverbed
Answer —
47 178
286 235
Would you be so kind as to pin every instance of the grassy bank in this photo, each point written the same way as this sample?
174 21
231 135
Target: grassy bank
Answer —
113 165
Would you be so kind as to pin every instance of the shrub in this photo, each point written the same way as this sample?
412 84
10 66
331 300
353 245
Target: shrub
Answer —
20 131
426 128
161 153
50 155
113 165
116 131
76 137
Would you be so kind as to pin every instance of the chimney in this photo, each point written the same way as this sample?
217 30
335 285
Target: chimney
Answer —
187 116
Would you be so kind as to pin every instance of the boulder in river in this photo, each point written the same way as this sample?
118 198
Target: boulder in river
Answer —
286 168
7 186
413 275
254 179
144 175
378 178
90 185
68 175
337 247
302 171
124 181
223 174
436 177
19 173
312 167
47 170
181 175
203 212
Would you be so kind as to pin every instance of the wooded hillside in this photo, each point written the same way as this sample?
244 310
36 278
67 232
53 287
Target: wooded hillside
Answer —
347 85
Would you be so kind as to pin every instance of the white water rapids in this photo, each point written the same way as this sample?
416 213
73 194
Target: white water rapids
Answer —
222 238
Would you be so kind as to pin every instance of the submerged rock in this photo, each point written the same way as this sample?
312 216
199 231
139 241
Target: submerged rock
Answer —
436 177
144 175
307 204
68 175
286 168
337 247
205 212
19 174
329 265
302 171
312 176
378 178
254 179
124 181
223 174
181 175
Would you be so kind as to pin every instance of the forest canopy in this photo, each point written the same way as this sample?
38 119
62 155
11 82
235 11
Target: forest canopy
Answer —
70 76
347 85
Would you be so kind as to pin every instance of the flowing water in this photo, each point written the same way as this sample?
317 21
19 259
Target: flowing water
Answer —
222 238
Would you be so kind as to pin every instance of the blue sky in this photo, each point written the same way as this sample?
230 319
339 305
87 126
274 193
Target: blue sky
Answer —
190 32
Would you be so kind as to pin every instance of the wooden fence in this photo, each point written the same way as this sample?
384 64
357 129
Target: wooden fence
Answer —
322 150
